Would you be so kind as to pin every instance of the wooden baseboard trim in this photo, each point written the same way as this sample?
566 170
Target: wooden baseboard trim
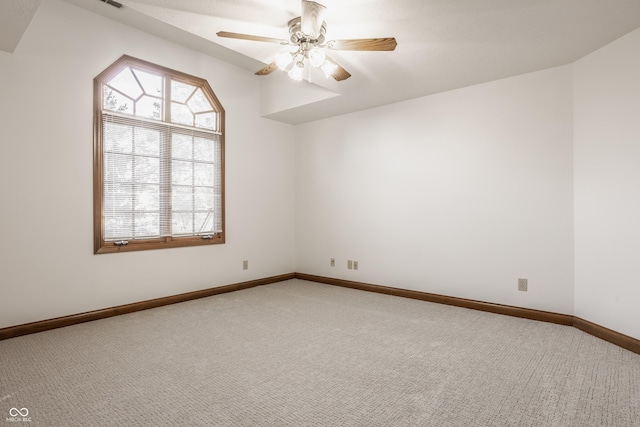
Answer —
59 322
598 331
614 337
527 313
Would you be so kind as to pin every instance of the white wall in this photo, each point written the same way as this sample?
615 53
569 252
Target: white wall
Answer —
458 193
607 186
47 265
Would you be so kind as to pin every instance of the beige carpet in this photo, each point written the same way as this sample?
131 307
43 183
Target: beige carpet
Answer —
297 353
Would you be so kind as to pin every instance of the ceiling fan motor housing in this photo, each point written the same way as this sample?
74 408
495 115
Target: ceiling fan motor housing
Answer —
297 36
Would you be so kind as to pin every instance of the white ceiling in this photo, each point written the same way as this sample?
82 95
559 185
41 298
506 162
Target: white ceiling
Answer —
15 16
442 44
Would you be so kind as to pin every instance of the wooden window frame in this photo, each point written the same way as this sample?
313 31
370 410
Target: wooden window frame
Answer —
108 246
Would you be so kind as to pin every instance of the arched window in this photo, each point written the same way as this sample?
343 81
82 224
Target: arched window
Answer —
158 159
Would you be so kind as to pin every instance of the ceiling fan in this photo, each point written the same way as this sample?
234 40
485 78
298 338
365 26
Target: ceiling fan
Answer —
307 33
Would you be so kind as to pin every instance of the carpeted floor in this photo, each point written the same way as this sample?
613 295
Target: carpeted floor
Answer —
298 353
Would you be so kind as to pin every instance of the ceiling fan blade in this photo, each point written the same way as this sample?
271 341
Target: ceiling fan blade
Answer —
268 69
340 73
250 37
387 43
312 18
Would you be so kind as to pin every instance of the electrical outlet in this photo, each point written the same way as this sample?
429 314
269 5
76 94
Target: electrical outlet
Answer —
355 265
245 264
350 264
333 262
523 285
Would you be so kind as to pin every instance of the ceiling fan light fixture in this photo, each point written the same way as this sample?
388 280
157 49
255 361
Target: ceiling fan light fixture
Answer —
316 57
296 71
328 68
283 60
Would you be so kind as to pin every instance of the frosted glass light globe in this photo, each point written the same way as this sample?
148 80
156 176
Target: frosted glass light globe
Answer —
296 72
283 59
329 68
316 57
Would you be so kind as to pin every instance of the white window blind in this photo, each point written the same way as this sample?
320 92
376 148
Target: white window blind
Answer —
159 180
